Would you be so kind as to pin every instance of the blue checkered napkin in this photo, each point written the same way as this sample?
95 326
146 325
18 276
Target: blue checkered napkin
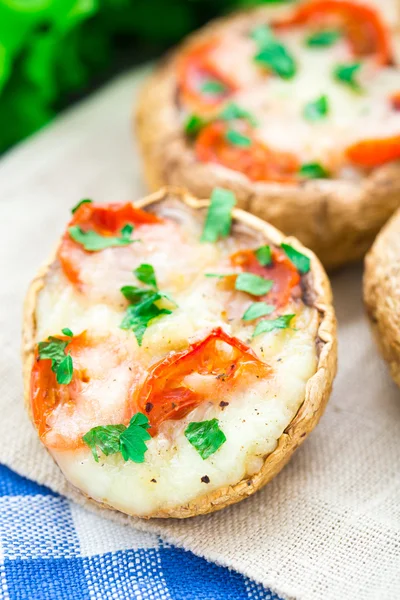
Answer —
51 549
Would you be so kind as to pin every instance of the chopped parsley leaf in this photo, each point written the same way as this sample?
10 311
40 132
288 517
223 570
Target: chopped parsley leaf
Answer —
316 109
300 261
232 112
313 171
257 310
61 363
253 284
213 87
346 75
111 439
194 124
264 255
237 139
144 302
282 322
94 242
205 436
323 38
219 219
84 201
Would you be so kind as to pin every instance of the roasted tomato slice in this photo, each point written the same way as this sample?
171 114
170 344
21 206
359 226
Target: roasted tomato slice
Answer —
282 271
202 84
374 152
107 220
205 371
395 101
361 24
256 161
64 413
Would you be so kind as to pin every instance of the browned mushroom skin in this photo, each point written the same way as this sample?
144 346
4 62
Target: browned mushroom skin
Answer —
318 387
382 292
337 219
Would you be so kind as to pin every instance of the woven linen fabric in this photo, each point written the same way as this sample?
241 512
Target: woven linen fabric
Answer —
52 549
329 525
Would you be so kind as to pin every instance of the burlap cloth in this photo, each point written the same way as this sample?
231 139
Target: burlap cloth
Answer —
328 527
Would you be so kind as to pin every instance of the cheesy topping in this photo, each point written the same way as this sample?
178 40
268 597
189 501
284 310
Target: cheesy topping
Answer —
355 113
112 366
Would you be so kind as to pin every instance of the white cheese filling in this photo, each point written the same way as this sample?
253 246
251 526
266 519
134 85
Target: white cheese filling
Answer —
256 415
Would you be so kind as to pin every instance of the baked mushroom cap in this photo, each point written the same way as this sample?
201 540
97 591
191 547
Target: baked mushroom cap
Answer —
381 292
337 218
316 294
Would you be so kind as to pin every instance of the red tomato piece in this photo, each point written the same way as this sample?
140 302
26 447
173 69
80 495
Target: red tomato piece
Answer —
167 394
105 219
361 24
395 100
195 69
64 413
282 271
374 152
256 161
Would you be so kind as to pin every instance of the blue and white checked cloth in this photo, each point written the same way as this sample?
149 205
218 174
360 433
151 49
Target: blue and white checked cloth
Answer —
51 549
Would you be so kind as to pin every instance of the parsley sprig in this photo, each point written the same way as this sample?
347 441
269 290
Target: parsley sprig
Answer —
324 38
94 242
129 441
205 436
253 284
219 219
316 109
282 322
272 53
84 201
61 363
346 73
144 302
300 261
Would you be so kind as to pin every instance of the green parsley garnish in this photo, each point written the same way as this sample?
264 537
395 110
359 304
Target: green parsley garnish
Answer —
138 317
205 436
256 310
94 242
264 255
144 302
213 87
194 124
84 201
219 219
267 325
146 274
317 109
219 275
111 439
346 74
313 171
237 139
262 35
272 53
61 363
253 284
300 261
323 38
232 112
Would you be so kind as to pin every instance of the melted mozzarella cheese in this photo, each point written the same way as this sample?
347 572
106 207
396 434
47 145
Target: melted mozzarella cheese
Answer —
258 410
278 104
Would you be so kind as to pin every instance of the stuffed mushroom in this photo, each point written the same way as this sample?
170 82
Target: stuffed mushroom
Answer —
176 352
296 109
381 292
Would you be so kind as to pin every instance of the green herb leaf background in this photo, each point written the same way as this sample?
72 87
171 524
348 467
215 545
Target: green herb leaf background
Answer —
54 51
